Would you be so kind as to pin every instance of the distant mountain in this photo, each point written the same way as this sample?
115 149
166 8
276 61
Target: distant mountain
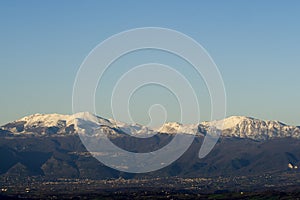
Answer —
49 124
235 126
247 127
48 146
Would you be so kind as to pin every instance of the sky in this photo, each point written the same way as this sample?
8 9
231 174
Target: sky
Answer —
255 45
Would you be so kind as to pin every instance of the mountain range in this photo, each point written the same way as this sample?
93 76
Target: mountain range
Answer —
47 145
234 126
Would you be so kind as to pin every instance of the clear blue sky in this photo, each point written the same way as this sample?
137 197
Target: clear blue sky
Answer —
254 43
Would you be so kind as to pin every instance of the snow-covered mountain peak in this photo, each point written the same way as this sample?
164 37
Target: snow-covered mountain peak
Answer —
52 123
247 127
175 127
49 120
227 123
170 127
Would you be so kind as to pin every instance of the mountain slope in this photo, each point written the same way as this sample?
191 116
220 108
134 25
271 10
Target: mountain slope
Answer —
66 157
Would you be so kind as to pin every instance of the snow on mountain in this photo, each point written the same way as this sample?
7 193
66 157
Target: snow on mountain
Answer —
235 126
52 123
49 120
84 122
226 123
133 129
247 127
175 127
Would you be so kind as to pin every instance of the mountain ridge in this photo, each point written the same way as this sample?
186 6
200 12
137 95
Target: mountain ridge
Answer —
58 153
233 126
